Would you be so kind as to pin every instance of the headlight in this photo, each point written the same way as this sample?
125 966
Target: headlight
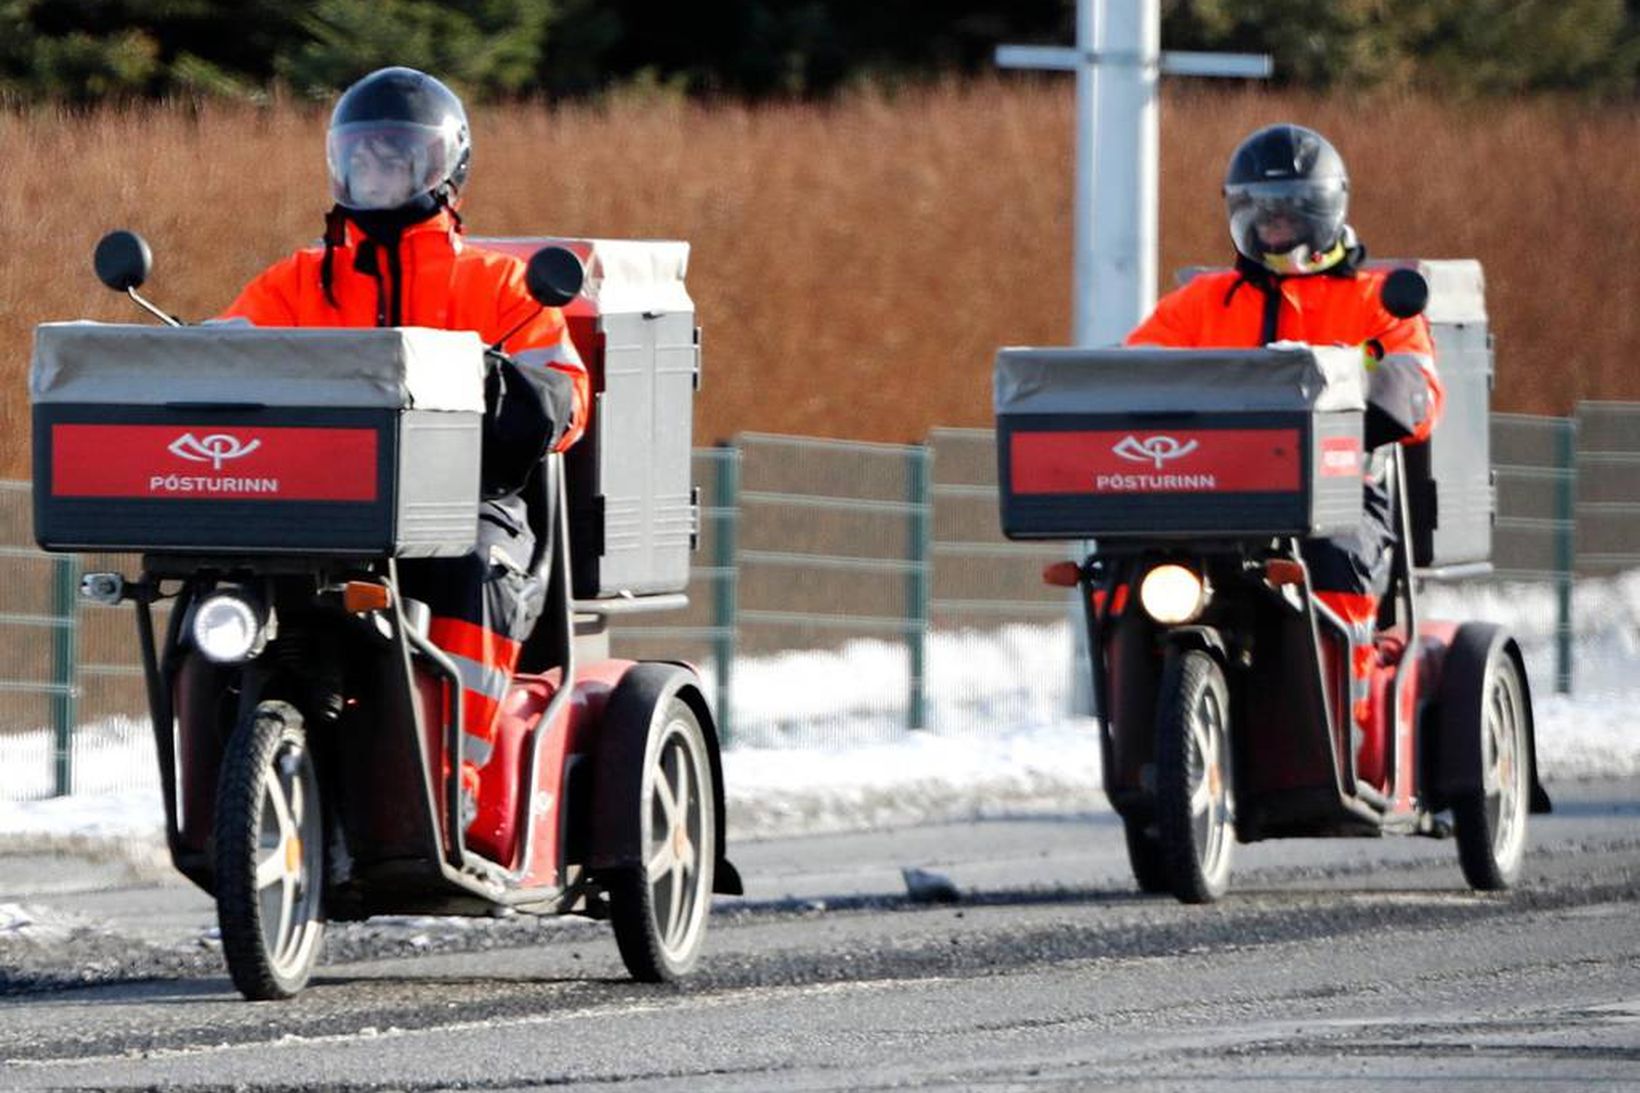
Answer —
228 628
1173 594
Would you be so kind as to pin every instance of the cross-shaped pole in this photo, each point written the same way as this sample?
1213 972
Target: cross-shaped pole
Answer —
1117 59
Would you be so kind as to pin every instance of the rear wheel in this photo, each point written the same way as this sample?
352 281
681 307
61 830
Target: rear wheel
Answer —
1490 821
269 855
658 906
1194 807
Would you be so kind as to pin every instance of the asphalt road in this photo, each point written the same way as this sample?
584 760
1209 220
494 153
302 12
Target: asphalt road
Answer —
1334 965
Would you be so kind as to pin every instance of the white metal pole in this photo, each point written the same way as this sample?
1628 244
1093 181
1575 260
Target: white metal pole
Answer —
1123 284
1089 34
1094 87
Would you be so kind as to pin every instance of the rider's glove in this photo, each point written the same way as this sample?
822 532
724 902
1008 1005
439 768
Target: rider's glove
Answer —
527 408
1397 397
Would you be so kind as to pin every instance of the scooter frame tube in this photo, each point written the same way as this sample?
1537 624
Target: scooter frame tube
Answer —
460 864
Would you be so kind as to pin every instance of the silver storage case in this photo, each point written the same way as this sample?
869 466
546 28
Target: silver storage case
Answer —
633 513
235 439
1449 476
1147 443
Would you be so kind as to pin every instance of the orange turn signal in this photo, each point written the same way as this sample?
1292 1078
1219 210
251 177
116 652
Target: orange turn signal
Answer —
361 596
1280 571
1062 574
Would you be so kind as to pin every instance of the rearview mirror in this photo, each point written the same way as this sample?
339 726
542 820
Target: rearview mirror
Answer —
554 276
123 260
1405 293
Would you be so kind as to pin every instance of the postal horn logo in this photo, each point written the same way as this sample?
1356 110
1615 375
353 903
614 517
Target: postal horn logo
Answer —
213 448
1153 449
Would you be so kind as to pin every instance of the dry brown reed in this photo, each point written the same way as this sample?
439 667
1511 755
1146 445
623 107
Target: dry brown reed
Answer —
855 264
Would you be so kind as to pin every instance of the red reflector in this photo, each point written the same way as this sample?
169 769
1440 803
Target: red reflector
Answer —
1062 574
1118 602
1280 571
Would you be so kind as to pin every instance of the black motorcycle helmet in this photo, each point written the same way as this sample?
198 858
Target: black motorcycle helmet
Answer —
1287 194
398 140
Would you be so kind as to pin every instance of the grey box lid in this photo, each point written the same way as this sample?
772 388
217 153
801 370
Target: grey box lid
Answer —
1284 376
132 364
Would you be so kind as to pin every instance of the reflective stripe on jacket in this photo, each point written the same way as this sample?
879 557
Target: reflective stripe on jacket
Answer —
446 285
1228 309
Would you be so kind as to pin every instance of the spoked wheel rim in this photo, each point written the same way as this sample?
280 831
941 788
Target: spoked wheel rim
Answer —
269 874
1195 810
657 786
677 840
288 850
1209 784
1486 716
1503 768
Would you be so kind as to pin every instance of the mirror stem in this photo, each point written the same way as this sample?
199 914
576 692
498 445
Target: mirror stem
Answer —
169 320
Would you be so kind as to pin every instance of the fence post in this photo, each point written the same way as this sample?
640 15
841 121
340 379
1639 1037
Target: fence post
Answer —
1565 549
725 584
65 587
919 472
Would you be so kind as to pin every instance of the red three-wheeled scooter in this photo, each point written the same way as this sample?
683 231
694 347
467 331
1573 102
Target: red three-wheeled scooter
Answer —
1223 686
308 734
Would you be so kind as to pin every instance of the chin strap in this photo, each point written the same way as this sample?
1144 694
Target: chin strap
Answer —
1344 255
335 236
446 196
1300 262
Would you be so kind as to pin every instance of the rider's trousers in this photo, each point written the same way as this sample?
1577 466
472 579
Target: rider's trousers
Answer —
483 606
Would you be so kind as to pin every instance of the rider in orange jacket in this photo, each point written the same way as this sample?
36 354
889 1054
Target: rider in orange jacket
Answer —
393 255
1298 277
421 274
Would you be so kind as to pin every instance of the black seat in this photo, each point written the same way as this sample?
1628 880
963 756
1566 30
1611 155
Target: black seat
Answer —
547 645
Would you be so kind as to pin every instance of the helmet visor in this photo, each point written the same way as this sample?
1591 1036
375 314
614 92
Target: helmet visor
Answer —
1279 216
386 164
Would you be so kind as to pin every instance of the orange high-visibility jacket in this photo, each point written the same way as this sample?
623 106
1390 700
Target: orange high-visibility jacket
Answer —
446 285
1229 309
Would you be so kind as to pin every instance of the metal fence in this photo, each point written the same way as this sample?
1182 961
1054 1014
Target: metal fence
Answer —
1534 462
843 592
1608 487
855 572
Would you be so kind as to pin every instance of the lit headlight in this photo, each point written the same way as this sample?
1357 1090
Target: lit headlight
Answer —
1173 594
227 628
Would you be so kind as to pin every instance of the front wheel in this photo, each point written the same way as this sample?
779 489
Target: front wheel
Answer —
1146 859
1490 820
658 905
269 855
1194 809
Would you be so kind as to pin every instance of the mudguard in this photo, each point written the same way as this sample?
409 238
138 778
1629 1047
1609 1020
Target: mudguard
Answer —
1459 709
616 838
1205 638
